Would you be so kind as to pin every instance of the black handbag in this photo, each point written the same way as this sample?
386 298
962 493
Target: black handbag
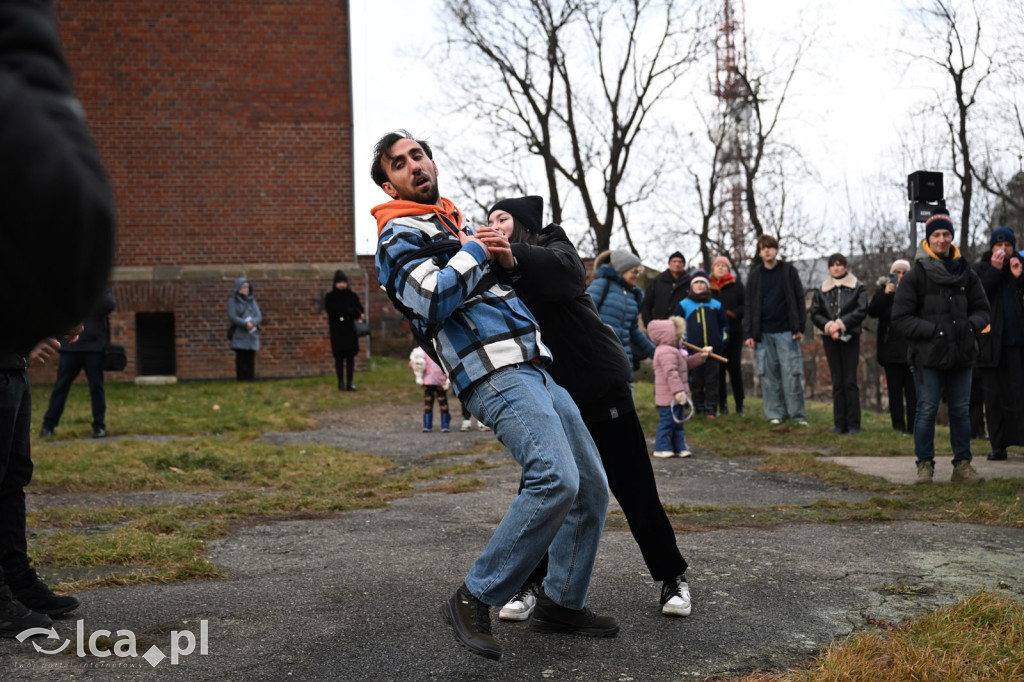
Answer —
115 357
362 328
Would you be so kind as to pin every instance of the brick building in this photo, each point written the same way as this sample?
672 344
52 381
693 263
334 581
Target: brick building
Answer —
226 128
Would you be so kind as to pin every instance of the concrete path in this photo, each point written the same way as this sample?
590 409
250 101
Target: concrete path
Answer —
356 596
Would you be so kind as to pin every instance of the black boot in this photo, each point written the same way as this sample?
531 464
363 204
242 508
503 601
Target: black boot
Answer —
550 617
470 619
15 617
37 596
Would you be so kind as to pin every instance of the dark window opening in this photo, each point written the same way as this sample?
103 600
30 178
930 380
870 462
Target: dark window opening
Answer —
154 333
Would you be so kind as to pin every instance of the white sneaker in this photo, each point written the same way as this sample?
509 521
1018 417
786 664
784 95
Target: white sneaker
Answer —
483 427
520 606
683 453
467 424
675 597
664 454
774 422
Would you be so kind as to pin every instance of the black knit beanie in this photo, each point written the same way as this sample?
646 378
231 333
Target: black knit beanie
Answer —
528 211
339 276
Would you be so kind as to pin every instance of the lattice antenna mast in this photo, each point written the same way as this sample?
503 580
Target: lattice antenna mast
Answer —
734 99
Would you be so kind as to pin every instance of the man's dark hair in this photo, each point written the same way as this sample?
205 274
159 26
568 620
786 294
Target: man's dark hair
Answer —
384 144
767 240
837 258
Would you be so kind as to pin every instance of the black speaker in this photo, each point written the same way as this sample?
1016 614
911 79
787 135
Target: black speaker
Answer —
924 186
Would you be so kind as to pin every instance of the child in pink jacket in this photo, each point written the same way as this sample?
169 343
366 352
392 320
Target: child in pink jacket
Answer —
435 384
671 367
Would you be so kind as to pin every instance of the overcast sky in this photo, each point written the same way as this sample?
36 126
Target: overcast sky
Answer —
849 101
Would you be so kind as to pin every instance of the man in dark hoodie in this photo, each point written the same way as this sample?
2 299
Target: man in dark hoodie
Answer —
666 290
940 309
57 244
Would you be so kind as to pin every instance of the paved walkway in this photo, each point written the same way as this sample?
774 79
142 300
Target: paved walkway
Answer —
356 596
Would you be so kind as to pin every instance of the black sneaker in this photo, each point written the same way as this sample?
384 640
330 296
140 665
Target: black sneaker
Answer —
15 617
45 432
470 619
41 599
550 617
997 455
99 433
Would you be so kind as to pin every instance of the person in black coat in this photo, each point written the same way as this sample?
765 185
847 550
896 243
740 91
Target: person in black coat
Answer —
1001 358
590 363
666 290
86 354
892 353
729 291
941 309
838 310
343 310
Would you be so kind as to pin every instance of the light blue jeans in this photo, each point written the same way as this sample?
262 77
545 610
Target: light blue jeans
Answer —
930 383
781 366
670 435
562 506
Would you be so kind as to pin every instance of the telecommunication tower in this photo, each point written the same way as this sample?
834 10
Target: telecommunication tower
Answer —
734 99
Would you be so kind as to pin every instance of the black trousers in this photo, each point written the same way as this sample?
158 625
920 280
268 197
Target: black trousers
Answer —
68 367
15 474
734 369
1004 398
704 386
245 364
902 397
843 357
623 450
343 363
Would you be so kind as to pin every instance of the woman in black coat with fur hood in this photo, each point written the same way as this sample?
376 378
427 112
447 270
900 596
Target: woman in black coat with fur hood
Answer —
343 310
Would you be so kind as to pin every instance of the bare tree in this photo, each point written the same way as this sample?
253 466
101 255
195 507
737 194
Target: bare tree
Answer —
586 117
967 67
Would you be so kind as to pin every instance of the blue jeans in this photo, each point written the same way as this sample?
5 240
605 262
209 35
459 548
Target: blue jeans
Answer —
781 367
670 436
930 383
564 499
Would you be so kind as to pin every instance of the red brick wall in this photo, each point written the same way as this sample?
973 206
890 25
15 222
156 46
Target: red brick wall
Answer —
226 128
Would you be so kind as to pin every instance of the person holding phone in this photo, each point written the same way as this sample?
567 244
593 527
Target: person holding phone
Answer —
892 352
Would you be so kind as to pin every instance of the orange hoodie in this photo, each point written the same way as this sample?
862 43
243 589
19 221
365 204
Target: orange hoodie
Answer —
397 208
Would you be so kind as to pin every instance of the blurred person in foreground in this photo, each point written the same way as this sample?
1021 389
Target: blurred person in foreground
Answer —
56 250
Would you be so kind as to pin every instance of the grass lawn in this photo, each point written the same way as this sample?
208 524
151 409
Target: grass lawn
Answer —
208 444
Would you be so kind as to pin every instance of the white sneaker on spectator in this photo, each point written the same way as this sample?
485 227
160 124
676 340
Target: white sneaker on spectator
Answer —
675 597
520 606
663 454
467 424
683 453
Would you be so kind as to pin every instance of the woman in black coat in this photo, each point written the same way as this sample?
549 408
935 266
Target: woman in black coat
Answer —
343 310
589 362
838 309
892 353
728 290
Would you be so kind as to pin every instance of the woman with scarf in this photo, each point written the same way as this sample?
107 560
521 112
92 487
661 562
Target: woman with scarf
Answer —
728 290
838 309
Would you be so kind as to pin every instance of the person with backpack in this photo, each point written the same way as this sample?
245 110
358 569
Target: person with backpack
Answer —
443 279
940 309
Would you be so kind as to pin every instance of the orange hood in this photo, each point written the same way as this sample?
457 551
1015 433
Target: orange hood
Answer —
398 208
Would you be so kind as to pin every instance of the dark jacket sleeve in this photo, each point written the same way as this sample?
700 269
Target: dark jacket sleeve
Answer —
738 309
801 306
819 310
905 320
550 273
647 305
854 317
977 304
880 302
57 234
